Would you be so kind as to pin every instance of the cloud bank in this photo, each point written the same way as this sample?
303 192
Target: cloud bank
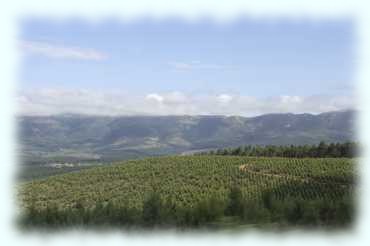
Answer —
58 101
60 52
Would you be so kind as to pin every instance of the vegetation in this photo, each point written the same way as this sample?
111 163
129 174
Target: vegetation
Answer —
196 191
334 150
33 172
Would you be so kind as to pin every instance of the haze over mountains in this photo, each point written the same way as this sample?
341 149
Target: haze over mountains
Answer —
81 137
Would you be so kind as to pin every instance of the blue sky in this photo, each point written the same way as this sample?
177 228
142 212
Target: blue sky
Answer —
263 60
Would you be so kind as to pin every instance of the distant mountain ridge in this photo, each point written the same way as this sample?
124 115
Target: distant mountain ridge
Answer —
123 137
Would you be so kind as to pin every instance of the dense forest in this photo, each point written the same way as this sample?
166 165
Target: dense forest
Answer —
321 150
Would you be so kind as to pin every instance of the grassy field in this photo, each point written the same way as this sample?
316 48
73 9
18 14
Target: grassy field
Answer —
187 181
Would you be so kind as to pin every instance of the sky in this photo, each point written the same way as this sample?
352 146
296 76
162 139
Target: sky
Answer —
171 67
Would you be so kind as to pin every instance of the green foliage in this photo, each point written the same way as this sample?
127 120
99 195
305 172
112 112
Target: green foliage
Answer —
235 202
196 191
254 212
334 150
152 209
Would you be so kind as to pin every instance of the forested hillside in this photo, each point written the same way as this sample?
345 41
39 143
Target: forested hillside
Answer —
79 137
322 150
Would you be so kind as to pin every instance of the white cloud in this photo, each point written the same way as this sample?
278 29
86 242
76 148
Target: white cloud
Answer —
181 65
192 65
154 97
61 52
291 99
224 98
175 97
56 101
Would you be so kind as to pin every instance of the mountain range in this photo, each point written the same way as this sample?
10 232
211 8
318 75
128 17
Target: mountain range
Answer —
82 137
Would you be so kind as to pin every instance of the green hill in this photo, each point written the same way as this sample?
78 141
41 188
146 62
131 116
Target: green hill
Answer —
196 190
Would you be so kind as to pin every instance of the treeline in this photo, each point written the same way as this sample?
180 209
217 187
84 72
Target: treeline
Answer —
321 150
159 213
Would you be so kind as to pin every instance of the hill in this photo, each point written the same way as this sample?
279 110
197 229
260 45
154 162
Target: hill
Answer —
196 190
79 137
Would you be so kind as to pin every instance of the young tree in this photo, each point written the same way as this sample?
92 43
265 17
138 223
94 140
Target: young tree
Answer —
235 202
152 209
322 149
